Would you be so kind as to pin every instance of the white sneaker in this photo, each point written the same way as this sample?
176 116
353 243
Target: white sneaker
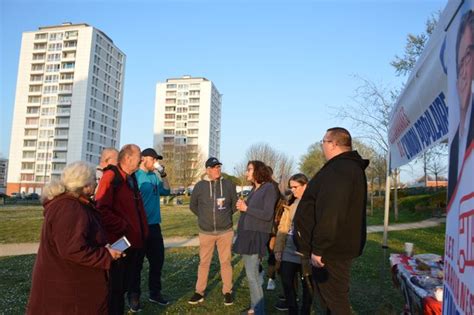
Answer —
271 285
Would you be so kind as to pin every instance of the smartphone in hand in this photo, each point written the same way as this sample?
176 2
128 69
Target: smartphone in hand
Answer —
121 244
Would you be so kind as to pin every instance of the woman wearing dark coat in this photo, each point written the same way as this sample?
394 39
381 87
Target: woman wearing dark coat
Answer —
70 272
253 230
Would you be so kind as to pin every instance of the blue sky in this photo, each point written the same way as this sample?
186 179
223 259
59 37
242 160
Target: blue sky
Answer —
280 65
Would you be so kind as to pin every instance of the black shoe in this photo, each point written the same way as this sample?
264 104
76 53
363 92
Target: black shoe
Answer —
196 298
282 298
228 299
158 299
281 306
134 304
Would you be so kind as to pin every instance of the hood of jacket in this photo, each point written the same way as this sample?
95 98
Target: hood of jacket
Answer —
350 155
207 179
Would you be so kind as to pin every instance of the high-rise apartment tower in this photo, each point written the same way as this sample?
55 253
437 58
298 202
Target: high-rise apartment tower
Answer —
68 102
188 112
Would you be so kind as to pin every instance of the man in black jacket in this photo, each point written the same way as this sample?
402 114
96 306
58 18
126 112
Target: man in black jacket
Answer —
330 220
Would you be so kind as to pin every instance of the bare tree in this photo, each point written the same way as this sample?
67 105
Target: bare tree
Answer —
437 161
376 170
281 164
369 113
184 163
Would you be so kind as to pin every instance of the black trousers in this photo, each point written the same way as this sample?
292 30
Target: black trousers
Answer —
288 272
332 286
155 253
119 279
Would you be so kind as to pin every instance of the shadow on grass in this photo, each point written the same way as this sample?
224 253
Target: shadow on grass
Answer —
372 291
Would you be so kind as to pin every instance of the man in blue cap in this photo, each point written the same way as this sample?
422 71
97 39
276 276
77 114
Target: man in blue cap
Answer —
214 201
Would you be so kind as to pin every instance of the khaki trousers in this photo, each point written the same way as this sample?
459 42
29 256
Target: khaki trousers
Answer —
207 243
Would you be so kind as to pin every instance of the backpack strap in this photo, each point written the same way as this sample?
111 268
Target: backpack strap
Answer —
117 177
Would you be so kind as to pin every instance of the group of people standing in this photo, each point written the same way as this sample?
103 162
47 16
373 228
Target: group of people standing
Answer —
320 229
76 269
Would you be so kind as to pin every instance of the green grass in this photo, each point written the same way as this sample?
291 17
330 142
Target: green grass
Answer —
372 291
407 211
22 223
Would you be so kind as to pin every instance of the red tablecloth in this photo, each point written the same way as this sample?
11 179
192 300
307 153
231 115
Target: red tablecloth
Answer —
417 299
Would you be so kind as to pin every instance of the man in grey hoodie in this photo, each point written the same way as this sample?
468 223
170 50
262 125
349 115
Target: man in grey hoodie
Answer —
213 201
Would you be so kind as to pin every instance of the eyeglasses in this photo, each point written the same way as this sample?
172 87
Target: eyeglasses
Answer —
324 140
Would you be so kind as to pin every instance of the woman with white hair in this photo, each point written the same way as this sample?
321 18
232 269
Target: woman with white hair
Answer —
70 272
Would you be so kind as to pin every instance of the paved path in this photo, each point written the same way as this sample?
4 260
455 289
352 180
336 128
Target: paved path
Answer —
32 248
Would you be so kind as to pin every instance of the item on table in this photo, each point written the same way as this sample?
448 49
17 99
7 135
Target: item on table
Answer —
409 249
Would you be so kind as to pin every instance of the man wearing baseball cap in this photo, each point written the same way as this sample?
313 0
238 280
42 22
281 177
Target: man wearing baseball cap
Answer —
151 188
213 201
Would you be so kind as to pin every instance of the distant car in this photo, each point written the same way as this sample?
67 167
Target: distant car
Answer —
32 196
16 195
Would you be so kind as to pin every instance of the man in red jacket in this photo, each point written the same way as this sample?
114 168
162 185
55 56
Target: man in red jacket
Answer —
122 213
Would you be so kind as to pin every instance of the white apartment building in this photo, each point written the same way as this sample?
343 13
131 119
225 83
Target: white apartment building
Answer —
68 102
3 174
188 112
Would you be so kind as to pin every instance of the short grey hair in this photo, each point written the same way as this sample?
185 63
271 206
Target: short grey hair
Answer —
74 178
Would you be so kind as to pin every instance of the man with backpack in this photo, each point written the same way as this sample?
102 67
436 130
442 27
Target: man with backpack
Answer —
122 214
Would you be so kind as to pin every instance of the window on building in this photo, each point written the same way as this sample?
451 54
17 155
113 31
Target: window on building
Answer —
54 57
41 36
35 88
37 67
51 78
70 44
36 77
34 99
67 65
55 36
29 143
47 122
38 56
39 46
31 132
53 68
49 89
55 47
60 143
70 34
48 111
29 154
45 134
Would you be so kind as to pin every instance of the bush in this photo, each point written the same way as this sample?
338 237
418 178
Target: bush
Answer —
411 203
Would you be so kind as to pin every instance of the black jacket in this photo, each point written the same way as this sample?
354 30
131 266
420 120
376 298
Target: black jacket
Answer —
330 220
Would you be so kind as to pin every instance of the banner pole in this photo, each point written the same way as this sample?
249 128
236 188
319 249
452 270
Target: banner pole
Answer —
387 204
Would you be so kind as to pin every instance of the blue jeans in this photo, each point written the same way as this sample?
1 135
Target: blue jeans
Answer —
255 281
